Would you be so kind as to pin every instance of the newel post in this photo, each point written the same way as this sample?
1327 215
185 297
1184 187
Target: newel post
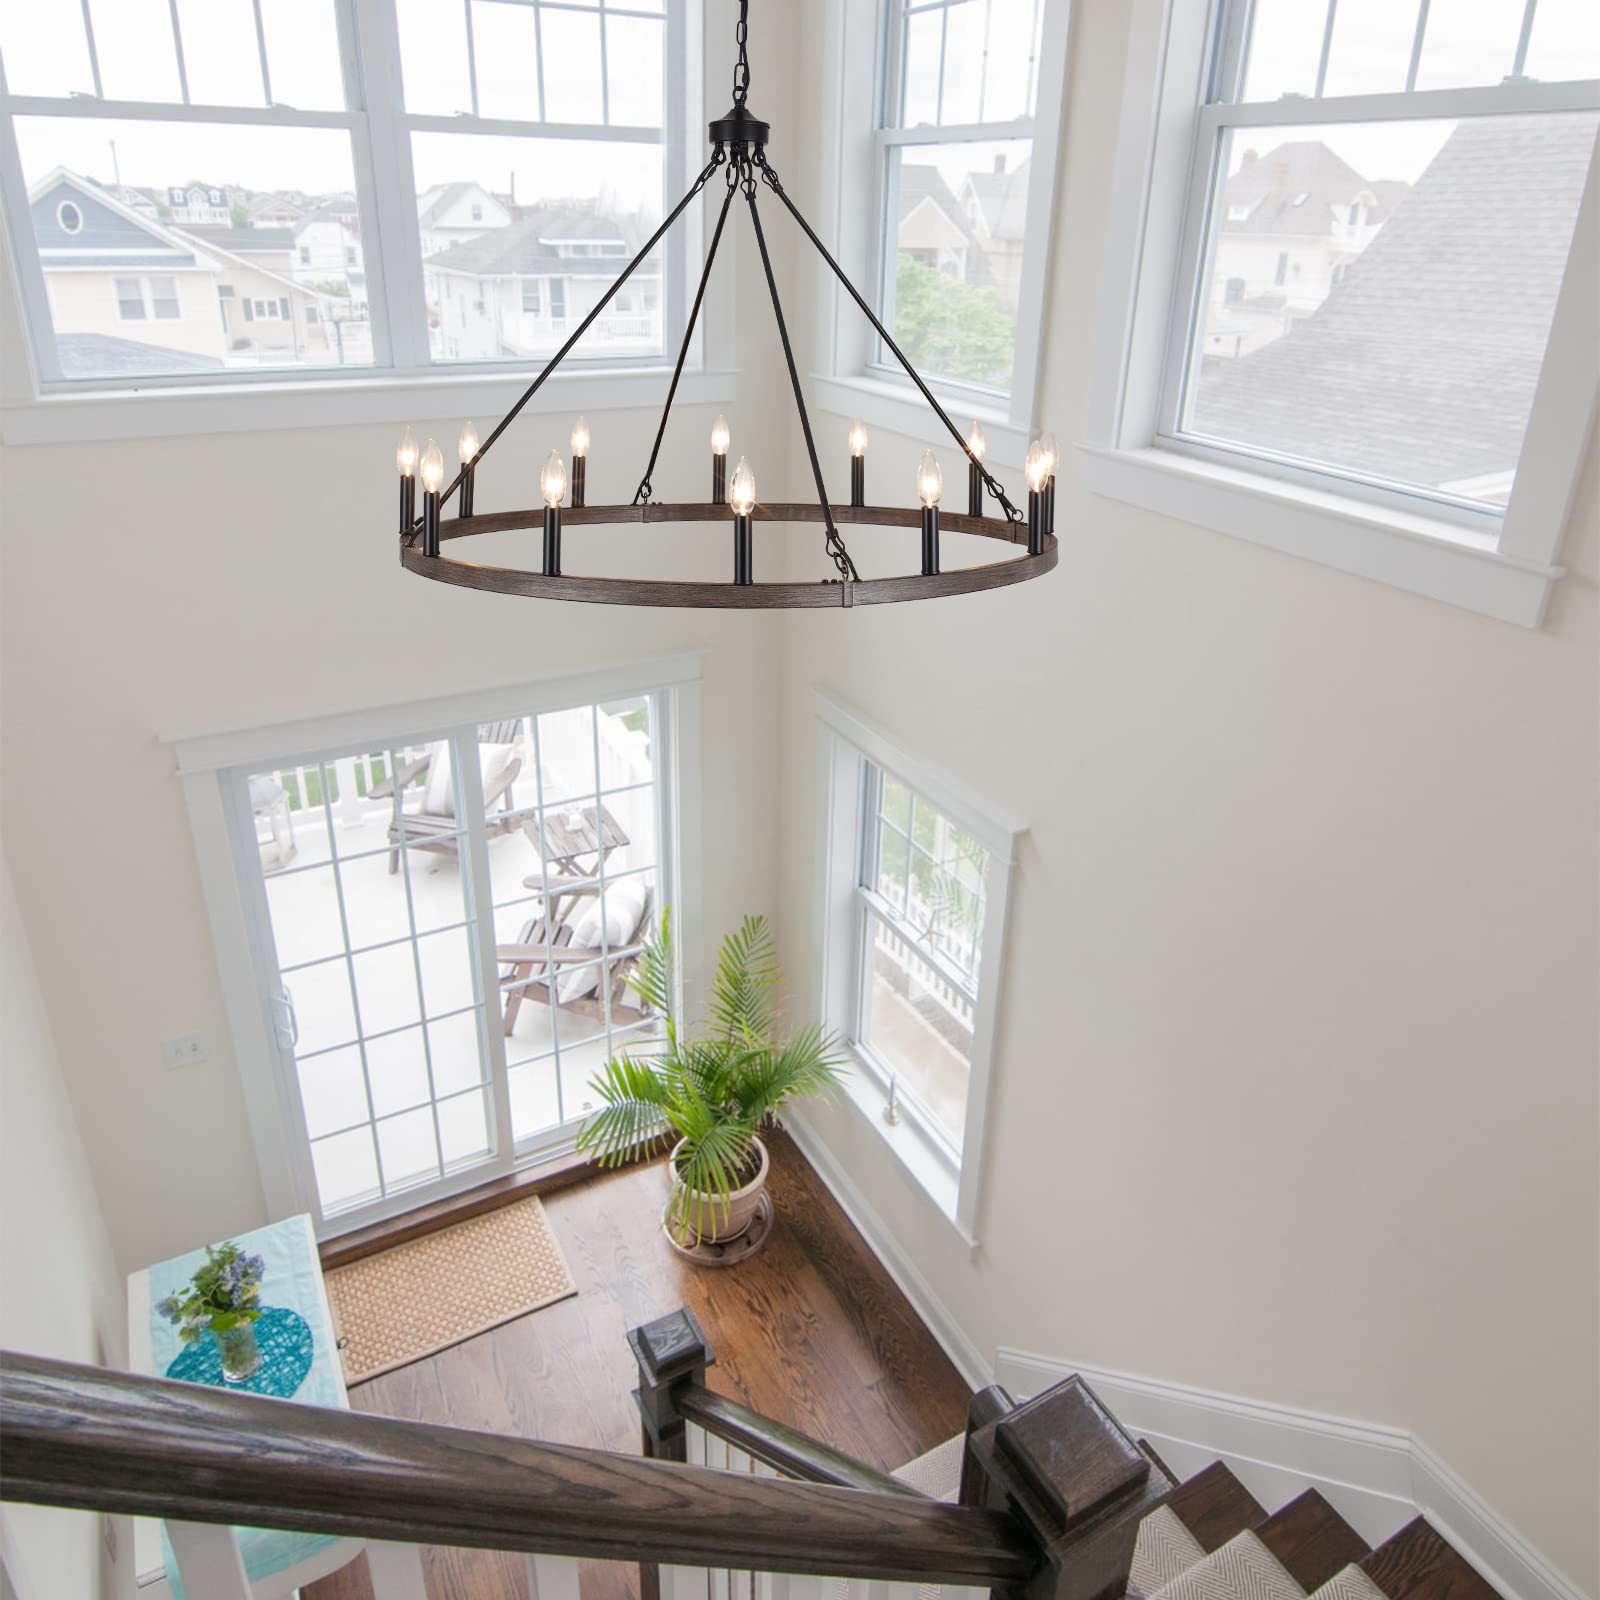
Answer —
1064 1466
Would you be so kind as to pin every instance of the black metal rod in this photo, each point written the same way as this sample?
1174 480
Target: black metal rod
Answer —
1036 522
430 522
464 499
858 480
580 477
930 541
719 477
1050 504
408 502
552 541
888 338
743 550
836 548
599 306
683 350
974 489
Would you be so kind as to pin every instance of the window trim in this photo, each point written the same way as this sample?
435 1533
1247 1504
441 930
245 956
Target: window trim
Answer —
845 743
850 381
1499 565
391 235
209 766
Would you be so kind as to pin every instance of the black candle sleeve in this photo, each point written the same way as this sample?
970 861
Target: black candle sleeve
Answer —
719 478
580 479
1035 522
430 522
552 541
974 489
743 550
930 541
464 493
858 480
408 501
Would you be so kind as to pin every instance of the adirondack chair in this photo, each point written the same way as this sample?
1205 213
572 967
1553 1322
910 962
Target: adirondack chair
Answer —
434 824
535 964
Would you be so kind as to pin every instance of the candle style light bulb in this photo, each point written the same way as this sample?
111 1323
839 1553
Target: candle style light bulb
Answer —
432 468
467 444
553 480
742 490
858 438
976 443
405 454
720 436
1037 466
580 437
930 480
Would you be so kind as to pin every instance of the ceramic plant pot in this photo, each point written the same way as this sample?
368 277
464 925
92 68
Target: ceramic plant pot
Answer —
707 1219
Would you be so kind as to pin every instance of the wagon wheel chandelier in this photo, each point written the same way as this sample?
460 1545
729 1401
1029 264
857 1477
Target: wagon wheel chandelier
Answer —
738 142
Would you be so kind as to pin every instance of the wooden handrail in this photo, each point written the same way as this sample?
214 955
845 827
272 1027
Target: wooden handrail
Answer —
786 1449
93 1439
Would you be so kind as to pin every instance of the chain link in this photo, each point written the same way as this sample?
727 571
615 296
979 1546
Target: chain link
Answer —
741 73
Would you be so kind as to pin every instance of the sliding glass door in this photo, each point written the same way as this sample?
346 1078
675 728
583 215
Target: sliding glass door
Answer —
444 932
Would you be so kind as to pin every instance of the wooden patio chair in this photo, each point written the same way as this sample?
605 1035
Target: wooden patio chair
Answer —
537 964
433 825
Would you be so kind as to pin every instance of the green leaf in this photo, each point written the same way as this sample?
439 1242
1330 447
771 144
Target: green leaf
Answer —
747 974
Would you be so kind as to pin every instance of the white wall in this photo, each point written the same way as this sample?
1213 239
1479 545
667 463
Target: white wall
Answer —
1295 1095
60 1293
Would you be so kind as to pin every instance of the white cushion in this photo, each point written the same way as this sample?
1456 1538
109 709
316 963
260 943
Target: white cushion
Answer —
439 797
624 911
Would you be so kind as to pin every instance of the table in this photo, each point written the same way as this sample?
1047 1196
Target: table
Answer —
209 1562
561 836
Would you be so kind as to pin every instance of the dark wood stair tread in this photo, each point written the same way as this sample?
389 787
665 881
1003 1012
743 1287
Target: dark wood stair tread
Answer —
1149 1450
1417 1564
1215 1507
1311 1540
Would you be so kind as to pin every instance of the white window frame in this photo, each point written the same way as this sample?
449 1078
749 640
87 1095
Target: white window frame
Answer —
1500 565
210 767
846 747
851 380
39 404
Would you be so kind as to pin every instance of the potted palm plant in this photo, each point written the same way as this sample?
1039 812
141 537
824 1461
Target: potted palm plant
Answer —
713 1093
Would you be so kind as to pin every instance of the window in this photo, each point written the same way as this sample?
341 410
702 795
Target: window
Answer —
139 299
530 296
130 299
916 883
950 116
439 932
557 116
1349 280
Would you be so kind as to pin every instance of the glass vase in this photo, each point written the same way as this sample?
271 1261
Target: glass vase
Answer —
241 1355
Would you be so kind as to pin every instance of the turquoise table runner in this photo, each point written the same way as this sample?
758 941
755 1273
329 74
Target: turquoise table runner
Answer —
292 1279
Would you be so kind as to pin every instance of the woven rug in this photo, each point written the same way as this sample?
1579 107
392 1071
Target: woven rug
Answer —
423 1296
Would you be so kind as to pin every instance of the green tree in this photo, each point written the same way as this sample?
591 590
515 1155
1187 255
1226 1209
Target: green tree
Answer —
950 327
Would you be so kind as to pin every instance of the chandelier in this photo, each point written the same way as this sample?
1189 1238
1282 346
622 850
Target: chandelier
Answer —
738 142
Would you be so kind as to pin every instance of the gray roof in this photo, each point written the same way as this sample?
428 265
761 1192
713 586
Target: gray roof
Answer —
1295 187
1421 363
98 355
244 241
446 195
520 250
1003 198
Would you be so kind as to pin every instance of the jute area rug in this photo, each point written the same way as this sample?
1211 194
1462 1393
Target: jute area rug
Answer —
417 1298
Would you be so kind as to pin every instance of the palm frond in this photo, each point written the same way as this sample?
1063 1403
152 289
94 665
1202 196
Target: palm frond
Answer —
639 1098
746 976
655 977
808 1064
711 1166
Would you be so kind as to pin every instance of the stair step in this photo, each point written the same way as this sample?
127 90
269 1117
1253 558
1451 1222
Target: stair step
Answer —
1149 1450
1215 1507
1350 1584
1241 1569
1417 1564
1165 1551
1311 1540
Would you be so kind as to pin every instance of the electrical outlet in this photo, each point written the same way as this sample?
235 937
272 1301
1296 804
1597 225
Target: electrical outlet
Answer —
188 1050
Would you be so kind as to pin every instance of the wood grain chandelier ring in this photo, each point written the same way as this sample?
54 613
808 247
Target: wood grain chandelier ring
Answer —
738 143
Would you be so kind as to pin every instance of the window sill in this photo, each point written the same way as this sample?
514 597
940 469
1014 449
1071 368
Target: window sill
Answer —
909 1145
163 410
1406 550
898 408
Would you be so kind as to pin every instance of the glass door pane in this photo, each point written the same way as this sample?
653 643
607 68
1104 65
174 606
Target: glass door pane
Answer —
366 878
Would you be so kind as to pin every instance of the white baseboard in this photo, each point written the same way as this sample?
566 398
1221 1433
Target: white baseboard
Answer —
965 1355
1377 1478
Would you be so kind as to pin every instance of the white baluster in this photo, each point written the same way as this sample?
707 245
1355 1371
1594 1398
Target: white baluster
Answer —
552 1578
209 1560
396 1571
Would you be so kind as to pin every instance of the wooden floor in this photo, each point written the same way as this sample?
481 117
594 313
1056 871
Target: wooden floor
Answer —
812 1332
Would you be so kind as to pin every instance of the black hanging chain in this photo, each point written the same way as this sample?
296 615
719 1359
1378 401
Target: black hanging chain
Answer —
741 72
989 479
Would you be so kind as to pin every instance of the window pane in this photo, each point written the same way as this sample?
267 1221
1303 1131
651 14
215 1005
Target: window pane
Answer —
634 71
347 1169
397 1066
333 1091
1371 48
506 49
433 56
1469 42
922 70
386 986
221 56
303 54
464 1127
1285 48
45 49
1565 42
557 220
407 1149
272 218
133 43
572 80
1378 297
920 1025
961 218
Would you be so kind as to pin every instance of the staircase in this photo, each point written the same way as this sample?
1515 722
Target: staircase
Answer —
1212 1540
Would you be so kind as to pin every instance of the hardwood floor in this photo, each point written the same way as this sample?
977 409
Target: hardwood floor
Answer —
813 1332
